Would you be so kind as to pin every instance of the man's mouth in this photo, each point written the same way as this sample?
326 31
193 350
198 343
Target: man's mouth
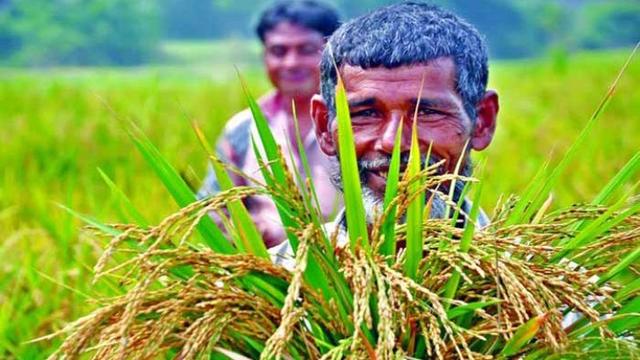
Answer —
294 75
381 173
376 178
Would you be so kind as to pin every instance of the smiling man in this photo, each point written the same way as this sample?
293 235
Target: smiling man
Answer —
293 34
386 59
397 61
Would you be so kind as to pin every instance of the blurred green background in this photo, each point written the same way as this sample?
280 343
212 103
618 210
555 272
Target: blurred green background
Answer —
73 73
121 32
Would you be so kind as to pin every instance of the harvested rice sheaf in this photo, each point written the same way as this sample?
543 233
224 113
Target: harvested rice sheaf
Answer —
532 284
182 299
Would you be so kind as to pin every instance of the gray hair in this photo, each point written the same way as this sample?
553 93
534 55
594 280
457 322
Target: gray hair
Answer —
405 34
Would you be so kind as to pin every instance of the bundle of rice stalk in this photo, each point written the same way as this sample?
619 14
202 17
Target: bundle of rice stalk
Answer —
532 284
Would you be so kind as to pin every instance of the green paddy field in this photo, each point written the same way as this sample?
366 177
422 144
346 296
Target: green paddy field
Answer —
61 128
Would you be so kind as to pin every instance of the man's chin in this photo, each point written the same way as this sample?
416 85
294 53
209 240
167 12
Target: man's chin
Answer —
373 203
296 89
376 183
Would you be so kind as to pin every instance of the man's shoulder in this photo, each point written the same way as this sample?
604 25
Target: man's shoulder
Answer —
238 121
241 120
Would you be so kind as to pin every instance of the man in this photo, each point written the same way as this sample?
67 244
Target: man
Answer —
293 34
385 59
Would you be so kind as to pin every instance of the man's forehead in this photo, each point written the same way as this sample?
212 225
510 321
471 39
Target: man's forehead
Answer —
438 75
289 33
438 70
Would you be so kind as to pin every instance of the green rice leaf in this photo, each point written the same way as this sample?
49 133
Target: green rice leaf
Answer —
523 335
597 227
456 172
356 220
549 183
632 310
267 139
621 178
249 237
93 222
309 194
179 190
470 227
275 174
630 288
124 200
415 242
465 244
627 171
467 308
622 265
614 323
314 273
463 196
305 165
319 270
623 320
530 191
546 186
388 246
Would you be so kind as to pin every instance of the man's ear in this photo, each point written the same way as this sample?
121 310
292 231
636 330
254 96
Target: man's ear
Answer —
322 125
486 114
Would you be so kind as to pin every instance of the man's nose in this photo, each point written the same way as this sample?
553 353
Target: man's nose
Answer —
388 139
291 59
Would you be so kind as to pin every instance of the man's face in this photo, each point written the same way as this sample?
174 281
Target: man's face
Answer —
381 100
292 56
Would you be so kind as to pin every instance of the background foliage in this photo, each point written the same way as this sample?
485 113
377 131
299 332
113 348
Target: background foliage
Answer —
119 32
42 32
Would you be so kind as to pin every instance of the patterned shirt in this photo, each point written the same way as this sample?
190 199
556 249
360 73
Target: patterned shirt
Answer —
234 148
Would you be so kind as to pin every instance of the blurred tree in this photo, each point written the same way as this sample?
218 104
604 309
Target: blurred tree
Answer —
200 19
609 24
9 40
79 32
510 31
189 19
48 32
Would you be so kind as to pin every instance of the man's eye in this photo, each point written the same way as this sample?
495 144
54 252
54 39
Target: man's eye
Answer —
278 51
309 49
428 112
365 113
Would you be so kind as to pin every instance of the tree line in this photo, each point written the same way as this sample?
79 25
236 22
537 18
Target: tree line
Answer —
123 32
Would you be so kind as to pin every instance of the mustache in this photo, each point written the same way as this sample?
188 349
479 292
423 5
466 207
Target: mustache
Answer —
373 201
384 161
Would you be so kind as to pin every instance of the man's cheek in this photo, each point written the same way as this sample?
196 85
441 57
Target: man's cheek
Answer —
313 66
365 140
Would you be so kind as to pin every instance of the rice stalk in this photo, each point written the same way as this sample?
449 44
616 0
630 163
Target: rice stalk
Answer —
532 284
214 306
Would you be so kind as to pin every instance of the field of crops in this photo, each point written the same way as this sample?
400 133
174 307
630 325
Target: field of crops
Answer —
61 129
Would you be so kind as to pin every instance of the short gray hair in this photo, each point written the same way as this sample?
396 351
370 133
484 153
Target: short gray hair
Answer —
404 34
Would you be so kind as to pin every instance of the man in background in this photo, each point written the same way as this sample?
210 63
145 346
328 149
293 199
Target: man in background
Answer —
293 34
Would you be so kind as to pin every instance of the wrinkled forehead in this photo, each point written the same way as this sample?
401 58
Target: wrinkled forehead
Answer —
436 77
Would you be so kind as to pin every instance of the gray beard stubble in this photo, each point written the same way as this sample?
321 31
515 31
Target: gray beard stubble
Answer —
373 203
